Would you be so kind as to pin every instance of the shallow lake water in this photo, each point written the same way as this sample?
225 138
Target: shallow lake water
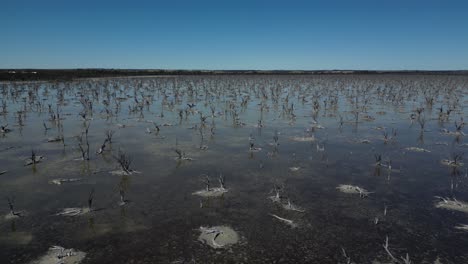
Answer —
280 198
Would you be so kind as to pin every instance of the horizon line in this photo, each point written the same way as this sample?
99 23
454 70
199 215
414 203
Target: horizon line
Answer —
208 70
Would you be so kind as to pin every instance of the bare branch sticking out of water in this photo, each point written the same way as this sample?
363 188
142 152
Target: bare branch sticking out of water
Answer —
155 130
462 227
286 221
45 126
455 162
102 148
385 246
252 148
181 155
4 129
222 181
122 201
210 191
13 213
34 159
276 139
459 127
422 123
77 211
109 135
84 151
345 255
403 260
390 137
292 207
406 259
156 127
277 197
61 181
320 148
378 159
458 130
124 161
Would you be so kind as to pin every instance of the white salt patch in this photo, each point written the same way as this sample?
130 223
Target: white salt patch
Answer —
74 211
303 139
449 204
351 189
213 192
462 227
57 254
124 173
416 149
218 236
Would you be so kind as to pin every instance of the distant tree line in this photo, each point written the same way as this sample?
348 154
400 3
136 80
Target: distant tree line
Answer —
69 74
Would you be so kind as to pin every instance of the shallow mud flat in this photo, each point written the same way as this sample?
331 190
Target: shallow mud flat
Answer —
235 169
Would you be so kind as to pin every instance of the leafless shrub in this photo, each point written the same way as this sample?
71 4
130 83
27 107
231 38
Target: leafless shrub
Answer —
124 161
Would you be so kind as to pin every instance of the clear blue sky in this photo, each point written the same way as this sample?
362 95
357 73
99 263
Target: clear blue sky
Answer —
197 34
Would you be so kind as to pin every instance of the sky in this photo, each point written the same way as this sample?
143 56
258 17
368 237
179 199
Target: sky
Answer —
238 34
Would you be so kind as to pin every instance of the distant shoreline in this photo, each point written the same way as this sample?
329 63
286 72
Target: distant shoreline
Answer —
70 74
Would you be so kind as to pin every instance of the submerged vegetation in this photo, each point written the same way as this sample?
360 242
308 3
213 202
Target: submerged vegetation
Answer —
235 169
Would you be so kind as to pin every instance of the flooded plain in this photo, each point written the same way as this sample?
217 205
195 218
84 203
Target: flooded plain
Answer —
235 169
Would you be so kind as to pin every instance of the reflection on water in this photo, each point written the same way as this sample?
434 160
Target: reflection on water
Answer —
305 169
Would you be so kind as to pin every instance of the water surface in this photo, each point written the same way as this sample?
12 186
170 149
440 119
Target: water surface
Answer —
347 115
